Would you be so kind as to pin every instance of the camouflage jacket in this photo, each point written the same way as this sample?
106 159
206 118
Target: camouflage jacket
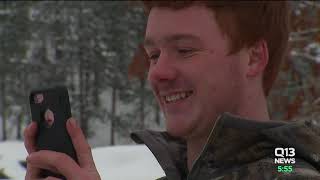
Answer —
238 148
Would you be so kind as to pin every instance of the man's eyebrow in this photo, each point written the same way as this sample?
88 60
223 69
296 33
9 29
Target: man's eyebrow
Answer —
168 39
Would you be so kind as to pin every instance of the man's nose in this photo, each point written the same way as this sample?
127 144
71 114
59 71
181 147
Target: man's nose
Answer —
164 70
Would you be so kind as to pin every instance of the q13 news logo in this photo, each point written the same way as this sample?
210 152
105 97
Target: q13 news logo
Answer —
284 158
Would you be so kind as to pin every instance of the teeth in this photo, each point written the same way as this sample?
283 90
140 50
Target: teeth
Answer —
176 97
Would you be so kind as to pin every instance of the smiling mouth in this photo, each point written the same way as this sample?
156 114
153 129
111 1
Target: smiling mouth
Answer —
177 96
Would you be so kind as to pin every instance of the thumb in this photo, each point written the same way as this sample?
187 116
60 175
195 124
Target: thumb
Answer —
51 178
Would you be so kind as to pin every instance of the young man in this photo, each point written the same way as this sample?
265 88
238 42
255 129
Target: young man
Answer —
212 64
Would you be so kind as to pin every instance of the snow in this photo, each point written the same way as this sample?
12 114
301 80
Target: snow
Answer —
134 162
11 153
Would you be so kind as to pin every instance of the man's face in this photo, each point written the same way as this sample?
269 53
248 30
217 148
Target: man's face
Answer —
191 74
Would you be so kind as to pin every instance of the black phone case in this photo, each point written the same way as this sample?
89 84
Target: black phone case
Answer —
55 137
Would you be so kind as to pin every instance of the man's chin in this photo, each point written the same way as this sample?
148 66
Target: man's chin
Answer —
177 131
179 125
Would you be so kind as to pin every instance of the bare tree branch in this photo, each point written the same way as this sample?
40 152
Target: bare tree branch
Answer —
306 32
306 56
312 3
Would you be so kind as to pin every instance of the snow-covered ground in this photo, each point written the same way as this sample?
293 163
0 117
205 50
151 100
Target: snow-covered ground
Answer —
134 162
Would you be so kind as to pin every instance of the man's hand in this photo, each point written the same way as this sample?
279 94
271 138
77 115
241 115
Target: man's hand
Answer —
60 162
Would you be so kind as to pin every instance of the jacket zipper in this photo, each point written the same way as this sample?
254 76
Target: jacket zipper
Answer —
206 145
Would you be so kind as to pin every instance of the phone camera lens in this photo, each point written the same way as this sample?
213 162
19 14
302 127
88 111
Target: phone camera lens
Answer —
38 98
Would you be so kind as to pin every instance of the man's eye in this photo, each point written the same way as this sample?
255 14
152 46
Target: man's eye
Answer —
153 57
185 51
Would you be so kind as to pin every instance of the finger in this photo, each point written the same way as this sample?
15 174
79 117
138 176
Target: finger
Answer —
80 144
30 136
56 162
51 178
32 172
39 166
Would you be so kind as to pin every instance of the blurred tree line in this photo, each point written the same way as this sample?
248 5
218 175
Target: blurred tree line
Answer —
84 45
88 45
296 93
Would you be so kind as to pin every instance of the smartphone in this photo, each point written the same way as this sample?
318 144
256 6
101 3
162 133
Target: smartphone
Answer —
50 109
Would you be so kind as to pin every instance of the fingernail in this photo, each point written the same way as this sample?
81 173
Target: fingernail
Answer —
28 158
32 125
29 126
72 122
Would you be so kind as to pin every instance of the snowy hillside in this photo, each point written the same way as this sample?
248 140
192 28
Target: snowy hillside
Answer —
113 163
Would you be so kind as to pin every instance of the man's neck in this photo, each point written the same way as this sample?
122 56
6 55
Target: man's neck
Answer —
194 148
253 106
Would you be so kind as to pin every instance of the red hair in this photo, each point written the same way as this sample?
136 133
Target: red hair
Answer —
246 23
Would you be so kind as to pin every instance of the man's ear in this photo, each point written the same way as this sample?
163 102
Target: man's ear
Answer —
259 56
